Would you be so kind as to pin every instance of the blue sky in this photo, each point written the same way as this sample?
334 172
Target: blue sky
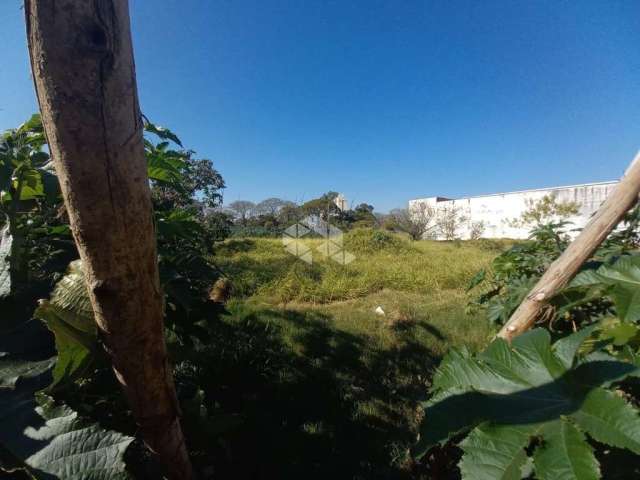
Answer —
381 100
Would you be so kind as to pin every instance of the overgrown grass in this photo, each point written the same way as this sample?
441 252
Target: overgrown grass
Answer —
261 267
325 386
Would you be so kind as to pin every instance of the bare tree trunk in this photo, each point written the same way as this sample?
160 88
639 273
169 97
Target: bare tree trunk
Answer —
624 197
82 62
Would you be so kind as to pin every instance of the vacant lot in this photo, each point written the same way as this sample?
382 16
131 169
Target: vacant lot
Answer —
324 384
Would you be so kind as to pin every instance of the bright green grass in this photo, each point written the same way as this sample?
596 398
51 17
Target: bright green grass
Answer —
313 368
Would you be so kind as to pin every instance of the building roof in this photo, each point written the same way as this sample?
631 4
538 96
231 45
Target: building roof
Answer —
444 199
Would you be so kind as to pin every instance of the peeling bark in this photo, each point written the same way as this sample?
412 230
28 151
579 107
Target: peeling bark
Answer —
82 62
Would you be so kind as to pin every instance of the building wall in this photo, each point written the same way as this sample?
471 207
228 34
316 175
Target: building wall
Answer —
497 210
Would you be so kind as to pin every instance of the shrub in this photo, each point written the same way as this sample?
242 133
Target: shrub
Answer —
367 240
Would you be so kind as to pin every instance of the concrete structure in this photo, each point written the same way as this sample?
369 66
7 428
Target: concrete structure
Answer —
497 211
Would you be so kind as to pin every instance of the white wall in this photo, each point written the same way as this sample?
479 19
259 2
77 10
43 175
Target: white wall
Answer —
498 209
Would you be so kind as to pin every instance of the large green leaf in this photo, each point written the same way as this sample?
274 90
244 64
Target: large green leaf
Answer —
165 169
495 452
608 418
623 280
509 394
50 439
69 315
162 132
56 441
176 224
565 455
76 349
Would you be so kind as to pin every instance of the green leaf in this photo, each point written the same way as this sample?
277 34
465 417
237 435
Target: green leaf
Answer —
495 452
162 132
71 300
177 224
566 348
506 392
52 440
477 279
69 316
565 454
609 419
623 280
33 125
76 349
56 443
50 184
165 169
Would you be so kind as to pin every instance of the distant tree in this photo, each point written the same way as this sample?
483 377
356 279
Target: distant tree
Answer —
448 220
218 222
242 210
200 183
323 206
205 182
417 222
289 214
363 216
270 206
477 229
545 210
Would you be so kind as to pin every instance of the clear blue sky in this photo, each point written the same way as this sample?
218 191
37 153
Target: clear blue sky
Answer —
381 100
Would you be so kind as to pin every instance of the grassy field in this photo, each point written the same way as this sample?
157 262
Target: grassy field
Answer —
325 386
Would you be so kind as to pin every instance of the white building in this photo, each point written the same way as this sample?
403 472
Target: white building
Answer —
497 211
341 202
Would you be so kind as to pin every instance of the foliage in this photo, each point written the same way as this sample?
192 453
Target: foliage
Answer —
26 178
333 387
260 266
271 206
186 194
25 170
241 210
511 395
586 299
545 210
477 230
183 189
514 272
367 241
47 439
421 220
534 399
619 281
417 221
448 220
179 181
323 206
217 223
270 217
69 316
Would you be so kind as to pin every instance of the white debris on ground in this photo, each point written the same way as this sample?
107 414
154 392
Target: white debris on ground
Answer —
379 311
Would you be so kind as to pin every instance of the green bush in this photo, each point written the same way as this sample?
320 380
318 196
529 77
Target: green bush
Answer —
368 240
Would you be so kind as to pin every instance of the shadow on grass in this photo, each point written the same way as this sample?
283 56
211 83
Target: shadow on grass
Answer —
316 402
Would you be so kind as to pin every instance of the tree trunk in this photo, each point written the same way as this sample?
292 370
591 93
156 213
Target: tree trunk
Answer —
560 272
82 62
